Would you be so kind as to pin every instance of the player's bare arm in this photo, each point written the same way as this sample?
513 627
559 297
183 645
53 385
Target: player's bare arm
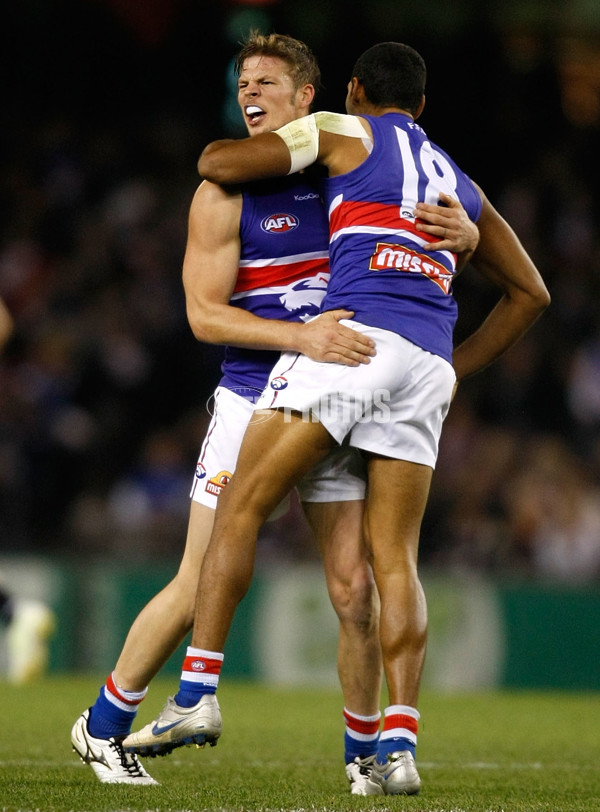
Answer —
232 161
210 270
341 143
332 139
501 258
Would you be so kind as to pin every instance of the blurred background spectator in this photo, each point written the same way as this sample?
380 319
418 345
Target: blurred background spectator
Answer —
107 105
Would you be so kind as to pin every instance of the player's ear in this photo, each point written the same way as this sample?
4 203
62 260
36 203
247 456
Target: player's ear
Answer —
306 95
356 91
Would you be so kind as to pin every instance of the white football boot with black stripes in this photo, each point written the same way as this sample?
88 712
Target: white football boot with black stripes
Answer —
106 757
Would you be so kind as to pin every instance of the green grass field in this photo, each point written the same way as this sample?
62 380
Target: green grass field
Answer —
281 750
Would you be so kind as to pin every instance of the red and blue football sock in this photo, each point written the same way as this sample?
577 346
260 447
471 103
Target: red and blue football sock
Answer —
400 726
361 735
113 712
199 676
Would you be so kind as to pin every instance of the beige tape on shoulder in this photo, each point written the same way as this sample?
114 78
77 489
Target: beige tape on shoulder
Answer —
350 126
302 135
340 124
302 139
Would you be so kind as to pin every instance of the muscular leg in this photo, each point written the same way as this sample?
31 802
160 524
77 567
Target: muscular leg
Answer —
155 634
274 455
338 529
396 503
163 623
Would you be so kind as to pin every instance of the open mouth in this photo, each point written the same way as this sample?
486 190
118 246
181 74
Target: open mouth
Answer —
254 113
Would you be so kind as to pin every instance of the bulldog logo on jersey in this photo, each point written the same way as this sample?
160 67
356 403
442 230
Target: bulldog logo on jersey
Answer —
279 383
216 483
279 223
305 294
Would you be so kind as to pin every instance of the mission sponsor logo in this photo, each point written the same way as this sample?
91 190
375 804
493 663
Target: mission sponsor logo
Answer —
279 223
216 483
388 256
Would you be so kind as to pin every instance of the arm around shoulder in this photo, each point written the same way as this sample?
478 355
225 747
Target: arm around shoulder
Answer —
232 161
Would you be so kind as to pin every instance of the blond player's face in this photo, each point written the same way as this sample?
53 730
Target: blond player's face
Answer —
267 96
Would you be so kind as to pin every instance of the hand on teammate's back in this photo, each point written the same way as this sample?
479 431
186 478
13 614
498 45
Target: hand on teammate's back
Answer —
325 339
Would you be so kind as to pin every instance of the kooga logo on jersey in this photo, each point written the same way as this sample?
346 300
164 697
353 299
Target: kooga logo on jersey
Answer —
279 223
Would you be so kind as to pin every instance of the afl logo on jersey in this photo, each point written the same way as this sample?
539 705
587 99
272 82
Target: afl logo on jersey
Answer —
279 223
200 471
279 383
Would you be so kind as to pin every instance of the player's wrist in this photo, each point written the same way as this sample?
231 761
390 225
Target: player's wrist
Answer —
295 337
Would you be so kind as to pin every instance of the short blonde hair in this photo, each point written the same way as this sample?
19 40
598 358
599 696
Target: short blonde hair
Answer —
302 63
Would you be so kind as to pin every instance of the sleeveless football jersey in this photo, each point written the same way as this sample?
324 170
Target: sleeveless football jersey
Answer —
284 268
381 267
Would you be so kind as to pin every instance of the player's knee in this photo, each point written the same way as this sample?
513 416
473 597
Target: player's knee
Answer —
355 598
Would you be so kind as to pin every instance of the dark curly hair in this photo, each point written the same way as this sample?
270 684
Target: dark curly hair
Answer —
392 75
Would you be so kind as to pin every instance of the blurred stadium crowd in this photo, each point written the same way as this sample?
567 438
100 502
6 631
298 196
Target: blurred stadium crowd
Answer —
103 389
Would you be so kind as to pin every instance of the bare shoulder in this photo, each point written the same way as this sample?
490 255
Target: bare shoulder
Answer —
214 214
211 194
213 204
342 124
344 141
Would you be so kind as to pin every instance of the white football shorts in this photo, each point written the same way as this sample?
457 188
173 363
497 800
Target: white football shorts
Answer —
340 477
393 406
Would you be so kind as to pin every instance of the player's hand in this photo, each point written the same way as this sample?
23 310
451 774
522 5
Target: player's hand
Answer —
325 339
450 223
